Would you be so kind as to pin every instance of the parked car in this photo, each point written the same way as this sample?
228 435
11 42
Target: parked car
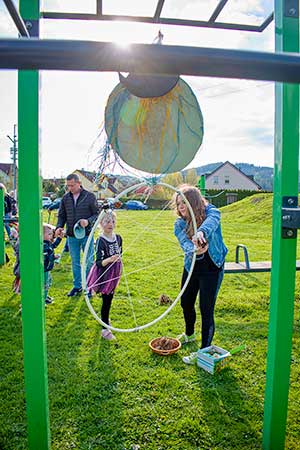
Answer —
55 204
46 202
135 204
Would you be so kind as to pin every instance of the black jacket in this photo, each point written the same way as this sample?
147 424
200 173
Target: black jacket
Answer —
86 208
49 255
8 204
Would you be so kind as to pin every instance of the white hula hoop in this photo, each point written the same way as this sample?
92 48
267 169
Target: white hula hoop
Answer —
83 267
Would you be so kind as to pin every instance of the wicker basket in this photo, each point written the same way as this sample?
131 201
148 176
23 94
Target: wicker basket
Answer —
164 345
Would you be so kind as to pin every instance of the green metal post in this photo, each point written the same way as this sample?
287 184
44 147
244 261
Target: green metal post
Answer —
201 185
2 243
283 249
31 255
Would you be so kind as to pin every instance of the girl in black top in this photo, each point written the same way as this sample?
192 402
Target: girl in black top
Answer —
105 273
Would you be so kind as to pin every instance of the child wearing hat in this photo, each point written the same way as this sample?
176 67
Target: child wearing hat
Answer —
49 258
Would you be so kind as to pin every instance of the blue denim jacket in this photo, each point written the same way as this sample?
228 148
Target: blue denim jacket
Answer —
211 227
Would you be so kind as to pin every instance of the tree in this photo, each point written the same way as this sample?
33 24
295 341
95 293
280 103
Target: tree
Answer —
191 177
173 179
48 186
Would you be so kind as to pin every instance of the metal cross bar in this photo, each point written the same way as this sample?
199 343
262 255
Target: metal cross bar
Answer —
18 21
159 8
219 8
35 54
267 22
99 7
154 20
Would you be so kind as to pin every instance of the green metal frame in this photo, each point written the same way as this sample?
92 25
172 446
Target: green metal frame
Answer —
284 250
202 185
31 255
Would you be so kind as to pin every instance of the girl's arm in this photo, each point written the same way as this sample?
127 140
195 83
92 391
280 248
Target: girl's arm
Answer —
56 242
211 222
102 257
180 232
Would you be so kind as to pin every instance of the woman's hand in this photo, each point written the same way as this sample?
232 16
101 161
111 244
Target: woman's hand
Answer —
199 239
202 249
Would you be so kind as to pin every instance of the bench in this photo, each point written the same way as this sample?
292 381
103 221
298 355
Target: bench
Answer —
258 266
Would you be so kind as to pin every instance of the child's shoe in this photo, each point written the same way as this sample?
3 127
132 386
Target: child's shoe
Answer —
107 334
191 359
185 339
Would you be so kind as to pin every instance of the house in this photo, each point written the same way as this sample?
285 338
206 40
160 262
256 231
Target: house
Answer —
7 175
229 177
104 186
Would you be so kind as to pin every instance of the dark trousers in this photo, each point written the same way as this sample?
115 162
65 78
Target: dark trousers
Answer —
208 285
106 304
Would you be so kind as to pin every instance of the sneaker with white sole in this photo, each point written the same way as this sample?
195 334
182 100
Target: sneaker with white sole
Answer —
107 334
185 339
190 359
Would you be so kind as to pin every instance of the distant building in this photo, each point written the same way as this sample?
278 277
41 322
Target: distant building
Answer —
229 177
105 186
7 175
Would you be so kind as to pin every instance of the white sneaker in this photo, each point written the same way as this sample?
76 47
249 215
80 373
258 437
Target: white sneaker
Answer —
191 359
107 334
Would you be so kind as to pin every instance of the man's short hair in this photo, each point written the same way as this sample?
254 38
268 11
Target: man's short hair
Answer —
73 176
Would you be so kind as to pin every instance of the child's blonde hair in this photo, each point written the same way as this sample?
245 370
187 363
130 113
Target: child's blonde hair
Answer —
197 202
108 216
48 226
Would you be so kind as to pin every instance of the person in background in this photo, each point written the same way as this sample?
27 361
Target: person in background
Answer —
208 271
78 207
14 207
8 202
49 258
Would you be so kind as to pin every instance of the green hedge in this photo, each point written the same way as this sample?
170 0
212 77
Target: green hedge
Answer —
219 199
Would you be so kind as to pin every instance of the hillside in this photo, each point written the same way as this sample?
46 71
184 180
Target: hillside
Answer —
256 209
262 175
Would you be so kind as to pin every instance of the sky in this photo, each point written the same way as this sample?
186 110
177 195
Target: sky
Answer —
238 114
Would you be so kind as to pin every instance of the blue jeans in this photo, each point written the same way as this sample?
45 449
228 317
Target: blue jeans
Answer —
75 245
47 283
6 226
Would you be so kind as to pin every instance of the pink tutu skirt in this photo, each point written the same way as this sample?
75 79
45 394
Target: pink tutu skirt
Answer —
104 280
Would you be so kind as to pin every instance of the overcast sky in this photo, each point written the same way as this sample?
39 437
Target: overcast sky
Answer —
238 114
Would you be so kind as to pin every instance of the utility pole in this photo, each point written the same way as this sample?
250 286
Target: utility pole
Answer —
13 155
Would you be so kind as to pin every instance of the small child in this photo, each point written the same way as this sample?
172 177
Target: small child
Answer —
16 270
105 273
49 258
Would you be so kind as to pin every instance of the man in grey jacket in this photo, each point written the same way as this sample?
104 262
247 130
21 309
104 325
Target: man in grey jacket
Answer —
77 206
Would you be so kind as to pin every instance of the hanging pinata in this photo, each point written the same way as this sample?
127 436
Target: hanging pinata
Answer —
154 122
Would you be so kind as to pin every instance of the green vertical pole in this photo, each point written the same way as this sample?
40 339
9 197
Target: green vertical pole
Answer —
201 185
2 243
31 255
283 249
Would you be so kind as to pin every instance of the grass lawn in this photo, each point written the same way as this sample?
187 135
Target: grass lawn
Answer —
119 395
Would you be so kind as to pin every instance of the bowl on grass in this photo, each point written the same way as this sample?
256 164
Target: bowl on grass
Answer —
165 345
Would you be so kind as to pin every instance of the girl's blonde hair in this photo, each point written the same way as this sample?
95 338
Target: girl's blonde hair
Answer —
197 202
108 216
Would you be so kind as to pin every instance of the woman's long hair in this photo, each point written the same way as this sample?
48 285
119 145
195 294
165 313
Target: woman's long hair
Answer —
198 204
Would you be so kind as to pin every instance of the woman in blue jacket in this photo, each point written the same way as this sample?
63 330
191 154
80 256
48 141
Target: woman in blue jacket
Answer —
208 271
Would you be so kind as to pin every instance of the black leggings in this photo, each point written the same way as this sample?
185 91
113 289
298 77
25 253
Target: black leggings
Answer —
208 285
106 304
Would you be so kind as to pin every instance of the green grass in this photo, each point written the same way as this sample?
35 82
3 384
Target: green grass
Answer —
116 396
